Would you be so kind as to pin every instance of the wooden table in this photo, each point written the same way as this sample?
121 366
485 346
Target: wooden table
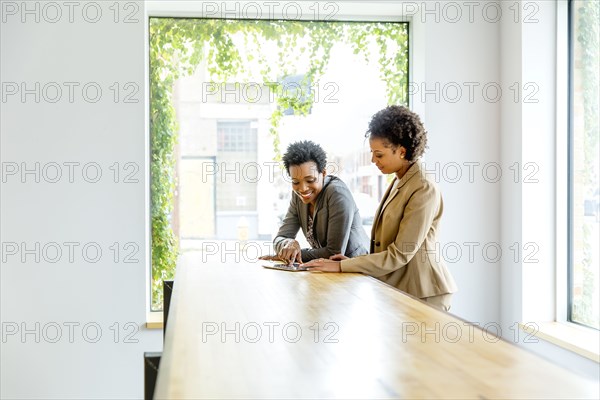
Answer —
242 331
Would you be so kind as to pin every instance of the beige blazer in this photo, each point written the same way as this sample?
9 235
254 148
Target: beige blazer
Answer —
404 248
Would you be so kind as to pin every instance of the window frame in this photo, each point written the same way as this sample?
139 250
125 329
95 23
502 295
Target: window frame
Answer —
363 11
569 149
570 155
562 144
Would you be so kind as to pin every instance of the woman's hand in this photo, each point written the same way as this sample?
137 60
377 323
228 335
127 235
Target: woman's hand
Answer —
270 258
338 257
290 252
323 265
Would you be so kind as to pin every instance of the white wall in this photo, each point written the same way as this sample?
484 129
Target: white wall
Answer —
460 59
528 129
528 207
478 212
56 294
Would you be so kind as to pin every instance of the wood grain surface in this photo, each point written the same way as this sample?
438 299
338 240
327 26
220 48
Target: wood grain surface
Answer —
243 331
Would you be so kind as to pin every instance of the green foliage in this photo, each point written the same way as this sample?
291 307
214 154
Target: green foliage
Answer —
177 46
589 15
588 33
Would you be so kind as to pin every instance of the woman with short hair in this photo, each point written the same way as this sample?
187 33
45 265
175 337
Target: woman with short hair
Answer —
322 206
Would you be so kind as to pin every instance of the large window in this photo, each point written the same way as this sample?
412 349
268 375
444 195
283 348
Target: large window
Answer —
228 96
584 213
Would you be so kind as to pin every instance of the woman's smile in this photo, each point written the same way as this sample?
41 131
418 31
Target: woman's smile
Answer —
306 195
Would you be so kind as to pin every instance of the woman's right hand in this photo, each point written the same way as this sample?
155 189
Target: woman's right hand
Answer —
290 252
269 257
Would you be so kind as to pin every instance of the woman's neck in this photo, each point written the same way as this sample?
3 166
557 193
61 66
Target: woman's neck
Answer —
404 169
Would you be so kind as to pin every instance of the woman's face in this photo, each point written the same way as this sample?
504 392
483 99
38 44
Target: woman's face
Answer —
384 157
307 182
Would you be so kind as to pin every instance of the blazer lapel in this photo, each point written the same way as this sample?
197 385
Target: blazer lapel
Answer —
304 208
318 205
416 167
390 194
380 208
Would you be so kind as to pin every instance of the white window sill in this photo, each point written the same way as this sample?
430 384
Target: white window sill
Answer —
154 320
578 339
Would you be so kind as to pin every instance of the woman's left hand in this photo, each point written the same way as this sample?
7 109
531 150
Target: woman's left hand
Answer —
270 257
338 257
323 265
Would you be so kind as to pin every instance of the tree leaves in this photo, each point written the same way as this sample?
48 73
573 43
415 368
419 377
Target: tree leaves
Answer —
179 45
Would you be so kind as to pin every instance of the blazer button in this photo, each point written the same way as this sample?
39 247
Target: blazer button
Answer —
377 244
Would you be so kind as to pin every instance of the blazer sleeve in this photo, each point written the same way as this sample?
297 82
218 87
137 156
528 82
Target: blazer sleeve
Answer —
341 210
419 213
289 228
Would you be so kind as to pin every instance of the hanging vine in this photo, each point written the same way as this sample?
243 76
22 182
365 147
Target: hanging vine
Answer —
177 46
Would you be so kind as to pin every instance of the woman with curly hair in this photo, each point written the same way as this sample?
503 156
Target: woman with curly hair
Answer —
404 251
322 206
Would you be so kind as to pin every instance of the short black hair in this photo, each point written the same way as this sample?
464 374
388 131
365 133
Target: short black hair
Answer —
300 152
400 127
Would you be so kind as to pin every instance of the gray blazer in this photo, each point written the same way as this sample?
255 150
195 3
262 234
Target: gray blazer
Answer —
337 226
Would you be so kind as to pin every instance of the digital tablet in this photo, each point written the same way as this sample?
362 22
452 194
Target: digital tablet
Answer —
283 266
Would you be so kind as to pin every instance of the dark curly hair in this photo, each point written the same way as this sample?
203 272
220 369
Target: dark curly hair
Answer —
300 152
400 127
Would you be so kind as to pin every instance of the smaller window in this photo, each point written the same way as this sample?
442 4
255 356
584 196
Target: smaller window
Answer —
584 202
